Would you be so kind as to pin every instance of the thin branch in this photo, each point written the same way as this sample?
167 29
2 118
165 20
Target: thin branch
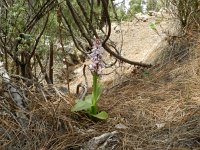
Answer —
38 38
73 36
104 4
77 22
87 19
42 11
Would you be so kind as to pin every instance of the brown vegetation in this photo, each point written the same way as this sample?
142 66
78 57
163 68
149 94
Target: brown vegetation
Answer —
159 106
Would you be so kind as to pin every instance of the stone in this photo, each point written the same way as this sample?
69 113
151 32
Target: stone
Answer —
120 126
106 141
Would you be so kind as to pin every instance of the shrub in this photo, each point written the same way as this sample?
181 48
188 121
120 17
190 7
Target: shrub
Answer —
187 11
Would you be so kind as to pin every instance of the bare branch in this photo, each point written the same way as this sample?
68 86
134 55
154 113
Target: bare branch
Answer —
104 4
38 38
77 22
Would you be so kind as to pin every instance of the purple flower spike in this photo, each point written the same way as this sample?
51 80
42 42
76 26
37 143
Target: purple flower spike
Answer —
96 57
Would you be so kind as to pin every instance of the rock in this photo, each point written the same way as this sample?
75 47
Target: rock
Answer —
142 17
160 13
106 141
120 126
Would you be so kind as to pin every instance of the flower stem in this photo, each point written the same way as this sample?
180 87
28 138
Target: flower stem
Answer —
94 92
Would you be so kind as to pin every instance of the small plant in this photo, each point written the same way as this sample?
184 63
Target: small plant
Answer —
89 105
153 27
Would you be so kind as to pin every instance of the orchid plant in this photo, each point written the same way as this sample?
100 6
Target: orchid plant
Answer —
89 104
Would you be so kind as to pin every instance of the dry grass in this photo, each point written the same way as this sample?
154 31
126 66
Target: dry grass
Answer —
160 112
160 107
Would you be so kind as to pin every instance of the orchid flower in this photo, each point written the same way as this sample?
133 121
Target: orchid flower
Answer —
90 102
96 58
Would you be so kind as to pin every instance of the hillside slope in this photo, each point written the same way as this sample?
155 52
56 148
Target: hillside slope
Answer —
149 109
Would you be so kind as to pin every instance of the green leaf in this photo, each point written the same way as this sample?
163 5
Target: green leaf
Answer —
153 26
99 90
88 98
81 105
102 115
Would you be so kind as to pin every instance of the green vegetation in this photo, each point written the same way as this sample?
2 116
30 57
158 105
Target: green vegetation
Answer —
135 7
90 103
